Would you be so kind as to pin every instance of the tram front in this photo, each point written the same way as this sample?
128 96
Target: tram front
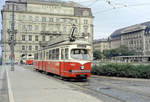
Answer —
78 65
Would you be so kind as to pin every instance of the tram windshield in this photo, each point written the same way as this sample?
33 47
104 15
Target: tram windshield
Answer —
81 54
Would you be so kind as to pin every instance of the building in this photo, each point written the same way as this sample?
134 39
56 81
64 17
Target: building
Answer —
135 37
101 45
39 21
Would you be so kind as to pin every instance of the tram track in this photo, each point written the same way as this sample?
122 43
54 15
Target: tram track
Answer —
124 89
82 86
98 93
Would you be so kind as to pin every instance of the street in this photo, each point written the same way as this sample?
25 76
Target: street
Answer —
28 85
3 86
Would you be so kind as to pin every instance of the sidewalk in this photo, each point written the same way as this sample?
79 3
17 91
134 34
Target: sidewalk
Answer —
27 86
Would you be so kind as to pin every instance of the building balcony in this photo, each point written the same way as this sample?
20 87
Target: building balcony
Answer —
43 43
51 32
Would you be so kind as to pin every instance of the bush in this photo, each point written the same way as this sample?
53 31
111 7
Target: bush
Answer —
122 70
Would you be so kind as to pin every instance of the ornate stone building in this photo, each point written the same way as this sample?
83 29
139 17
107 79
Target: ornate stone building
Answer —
101 45
39 21
136 37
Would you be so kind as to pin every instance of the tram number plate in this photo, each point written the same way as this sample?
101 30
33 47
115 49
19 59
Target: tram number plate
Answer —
80 71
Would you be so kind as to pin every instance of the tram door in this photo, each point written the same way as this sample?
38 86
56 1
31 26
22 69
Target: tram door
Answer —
63 62
43 62
64 58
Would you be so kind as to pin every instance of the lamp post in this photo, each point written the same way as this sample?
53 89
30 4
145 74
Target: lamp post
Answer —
12 32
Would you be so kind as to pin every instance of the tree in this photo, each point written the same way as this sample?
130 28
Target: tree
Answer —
121 51
97 55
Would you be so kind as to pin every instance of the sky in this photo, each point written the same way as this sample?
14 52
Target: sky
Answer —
110 15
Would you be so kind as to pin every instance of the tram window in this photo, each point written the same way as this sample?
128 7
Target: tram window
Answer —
66 53
37 56
41 56
47 55
54 54
50 54
44 55
57 54
81 54
62 54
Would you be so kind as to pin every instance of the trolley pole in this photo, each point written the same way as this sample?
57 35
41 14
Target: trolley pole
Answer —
12 33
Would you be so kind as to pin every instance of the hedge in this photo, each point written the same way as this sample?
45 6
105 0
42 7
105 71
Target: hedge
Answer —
122 70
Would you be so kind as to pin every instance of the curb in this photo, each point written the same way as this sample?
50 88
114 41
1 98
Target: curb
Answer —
10 93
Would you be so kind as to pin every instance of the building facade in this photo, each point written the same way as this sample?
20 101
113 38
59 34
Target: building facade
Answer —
101 45
136 38
39 21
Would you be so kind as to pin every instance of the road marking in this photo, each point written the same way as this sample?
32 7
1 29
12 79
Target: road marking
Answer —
10 93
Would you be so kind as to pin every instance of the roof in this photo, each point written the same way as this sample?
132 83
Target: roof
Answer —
118 32
63 3
100 40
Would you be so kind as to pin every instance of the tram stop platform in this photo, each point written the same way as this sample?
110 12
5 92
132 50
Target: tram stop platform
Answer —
26 85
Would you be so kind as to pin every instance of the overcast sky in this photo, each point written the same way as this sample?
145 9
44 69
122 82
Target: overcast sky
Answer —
111 15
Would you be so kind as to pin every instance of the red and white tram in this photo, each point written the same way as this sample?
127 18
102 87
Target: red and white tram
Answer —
68 59
29 60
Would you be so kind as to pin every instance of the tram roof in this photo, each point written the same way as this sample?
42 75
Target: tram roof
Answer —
65 41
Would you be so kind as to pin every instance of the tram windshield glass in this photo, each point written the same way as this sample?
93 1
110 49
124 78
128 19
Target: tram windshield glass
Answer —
81 54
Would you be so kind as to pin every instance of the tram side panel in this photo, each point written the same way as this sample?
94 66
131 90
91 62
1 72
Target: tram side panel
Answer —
44 65
53 67
73 69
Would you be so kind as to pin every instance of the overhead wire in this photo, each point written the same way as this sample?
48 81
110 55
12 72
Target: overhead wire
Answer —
122 6
93 2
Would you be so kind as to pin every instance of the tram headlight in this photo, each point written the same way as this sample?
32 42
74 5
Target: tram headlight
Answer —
82 67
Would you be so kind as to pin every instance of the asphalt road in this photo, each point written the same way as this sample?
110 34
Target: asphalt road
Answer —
112 89
107 89
3 86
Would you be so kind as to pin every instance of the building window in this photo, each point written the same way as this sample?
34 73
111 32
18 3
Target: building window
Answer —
23 38
23 27
36 27
65 20
65 29
43 19
24 17
30 27
30 18
23 47
58 27
43 27
50 38
85 21
30 37
50 19
57 20
36 18
76 30
36 47
36 38
76 21
43 38
30 47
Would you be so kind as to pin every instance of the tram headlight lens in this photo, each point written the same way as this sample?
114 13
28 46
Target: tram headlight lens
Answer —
82 67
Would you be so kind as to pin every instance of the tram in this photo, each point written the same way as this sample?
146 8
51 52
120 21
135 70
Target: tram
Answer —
29 60
66 59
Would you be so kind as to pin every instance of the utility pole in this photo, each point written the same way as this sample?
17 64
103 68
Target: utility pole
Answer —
12 33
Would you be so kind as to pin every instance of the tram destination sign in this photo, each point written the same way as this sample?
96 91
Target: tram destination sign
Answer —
81 46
